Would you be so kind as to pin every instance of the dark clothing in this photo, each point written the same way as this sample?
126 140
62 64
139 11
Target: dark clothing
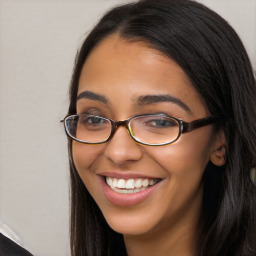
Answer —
10 248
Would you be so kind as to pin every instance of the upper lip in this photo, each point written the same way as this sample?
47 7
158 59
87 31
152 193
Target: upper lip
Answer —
127 175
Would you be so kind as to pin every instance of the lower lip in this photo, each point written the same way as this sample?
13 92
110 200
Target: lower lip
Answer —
126 199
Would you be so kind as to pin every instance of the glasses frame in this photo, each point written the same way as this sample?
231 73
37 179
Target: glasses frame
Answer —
184 127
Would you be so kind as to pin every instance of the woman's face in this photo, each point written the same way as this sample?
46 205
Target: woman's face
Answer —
123 79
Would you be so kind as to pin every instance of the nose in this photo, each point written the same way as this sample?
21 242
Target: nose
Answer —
122 149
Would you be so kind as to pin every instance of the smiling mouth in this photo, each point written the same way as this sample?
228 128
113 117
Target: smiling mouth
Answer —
129 186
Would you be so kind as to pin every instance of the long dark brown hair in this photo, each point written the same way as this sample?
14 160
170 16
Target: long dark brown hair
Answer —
214 59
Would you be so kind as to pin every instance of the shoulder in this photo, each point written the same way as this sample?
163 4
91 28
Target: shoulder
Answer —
10 248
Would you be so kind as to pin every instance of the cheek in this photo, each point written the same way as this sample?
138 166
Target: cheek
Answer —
84 156
184 163
186 159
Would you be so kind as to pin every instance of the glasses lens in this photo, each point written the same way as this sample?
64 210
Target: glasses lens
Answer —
155 129
88 128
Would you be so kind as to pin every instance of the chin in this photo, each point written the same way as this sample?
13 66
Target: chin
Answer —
130 223
130 228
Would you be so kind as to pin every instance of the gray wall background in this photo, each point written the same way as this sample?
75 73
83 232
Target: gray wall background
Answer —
38 43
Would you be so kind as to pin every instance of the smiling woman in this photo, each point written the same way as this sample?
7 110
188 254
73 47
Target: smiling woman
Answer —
161 135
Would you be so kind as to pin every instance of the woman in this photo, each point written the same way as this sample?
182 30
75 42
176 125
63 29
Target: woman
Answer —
176 76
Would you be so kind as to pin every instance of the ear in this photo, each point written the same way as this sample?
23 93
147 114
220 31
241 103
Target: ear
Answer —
219 149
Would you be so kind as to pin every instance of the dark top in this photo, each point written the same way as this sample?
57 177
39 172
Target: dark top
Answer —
10 248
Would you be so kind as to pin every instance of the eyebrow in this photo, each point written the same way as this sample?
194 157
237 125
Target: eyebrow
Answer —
92 96
141 100
151 99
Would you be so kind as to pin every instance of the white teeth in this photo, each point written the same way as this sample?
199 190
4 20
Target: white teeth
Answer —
138 183
130 185
121 183
127 191
145 183
114 182
109 181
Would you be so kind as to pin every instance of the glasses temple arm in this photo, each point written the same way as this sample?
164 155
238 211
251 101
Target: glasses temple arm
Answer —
187 127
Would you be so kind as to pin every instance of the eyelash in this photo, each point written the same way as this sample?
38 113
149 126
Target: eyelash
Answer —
163 112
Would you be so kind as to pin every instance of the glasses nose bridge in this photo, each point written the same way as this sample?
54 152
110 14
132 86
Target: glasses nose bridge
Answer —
117 124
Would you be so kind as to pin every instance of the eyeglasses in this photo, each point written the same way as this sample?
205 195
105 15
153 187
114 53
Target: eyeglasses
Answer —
147 129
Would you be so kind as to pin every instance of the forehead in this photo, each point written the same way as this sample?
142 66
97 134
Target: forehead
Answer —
121 69
114 53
